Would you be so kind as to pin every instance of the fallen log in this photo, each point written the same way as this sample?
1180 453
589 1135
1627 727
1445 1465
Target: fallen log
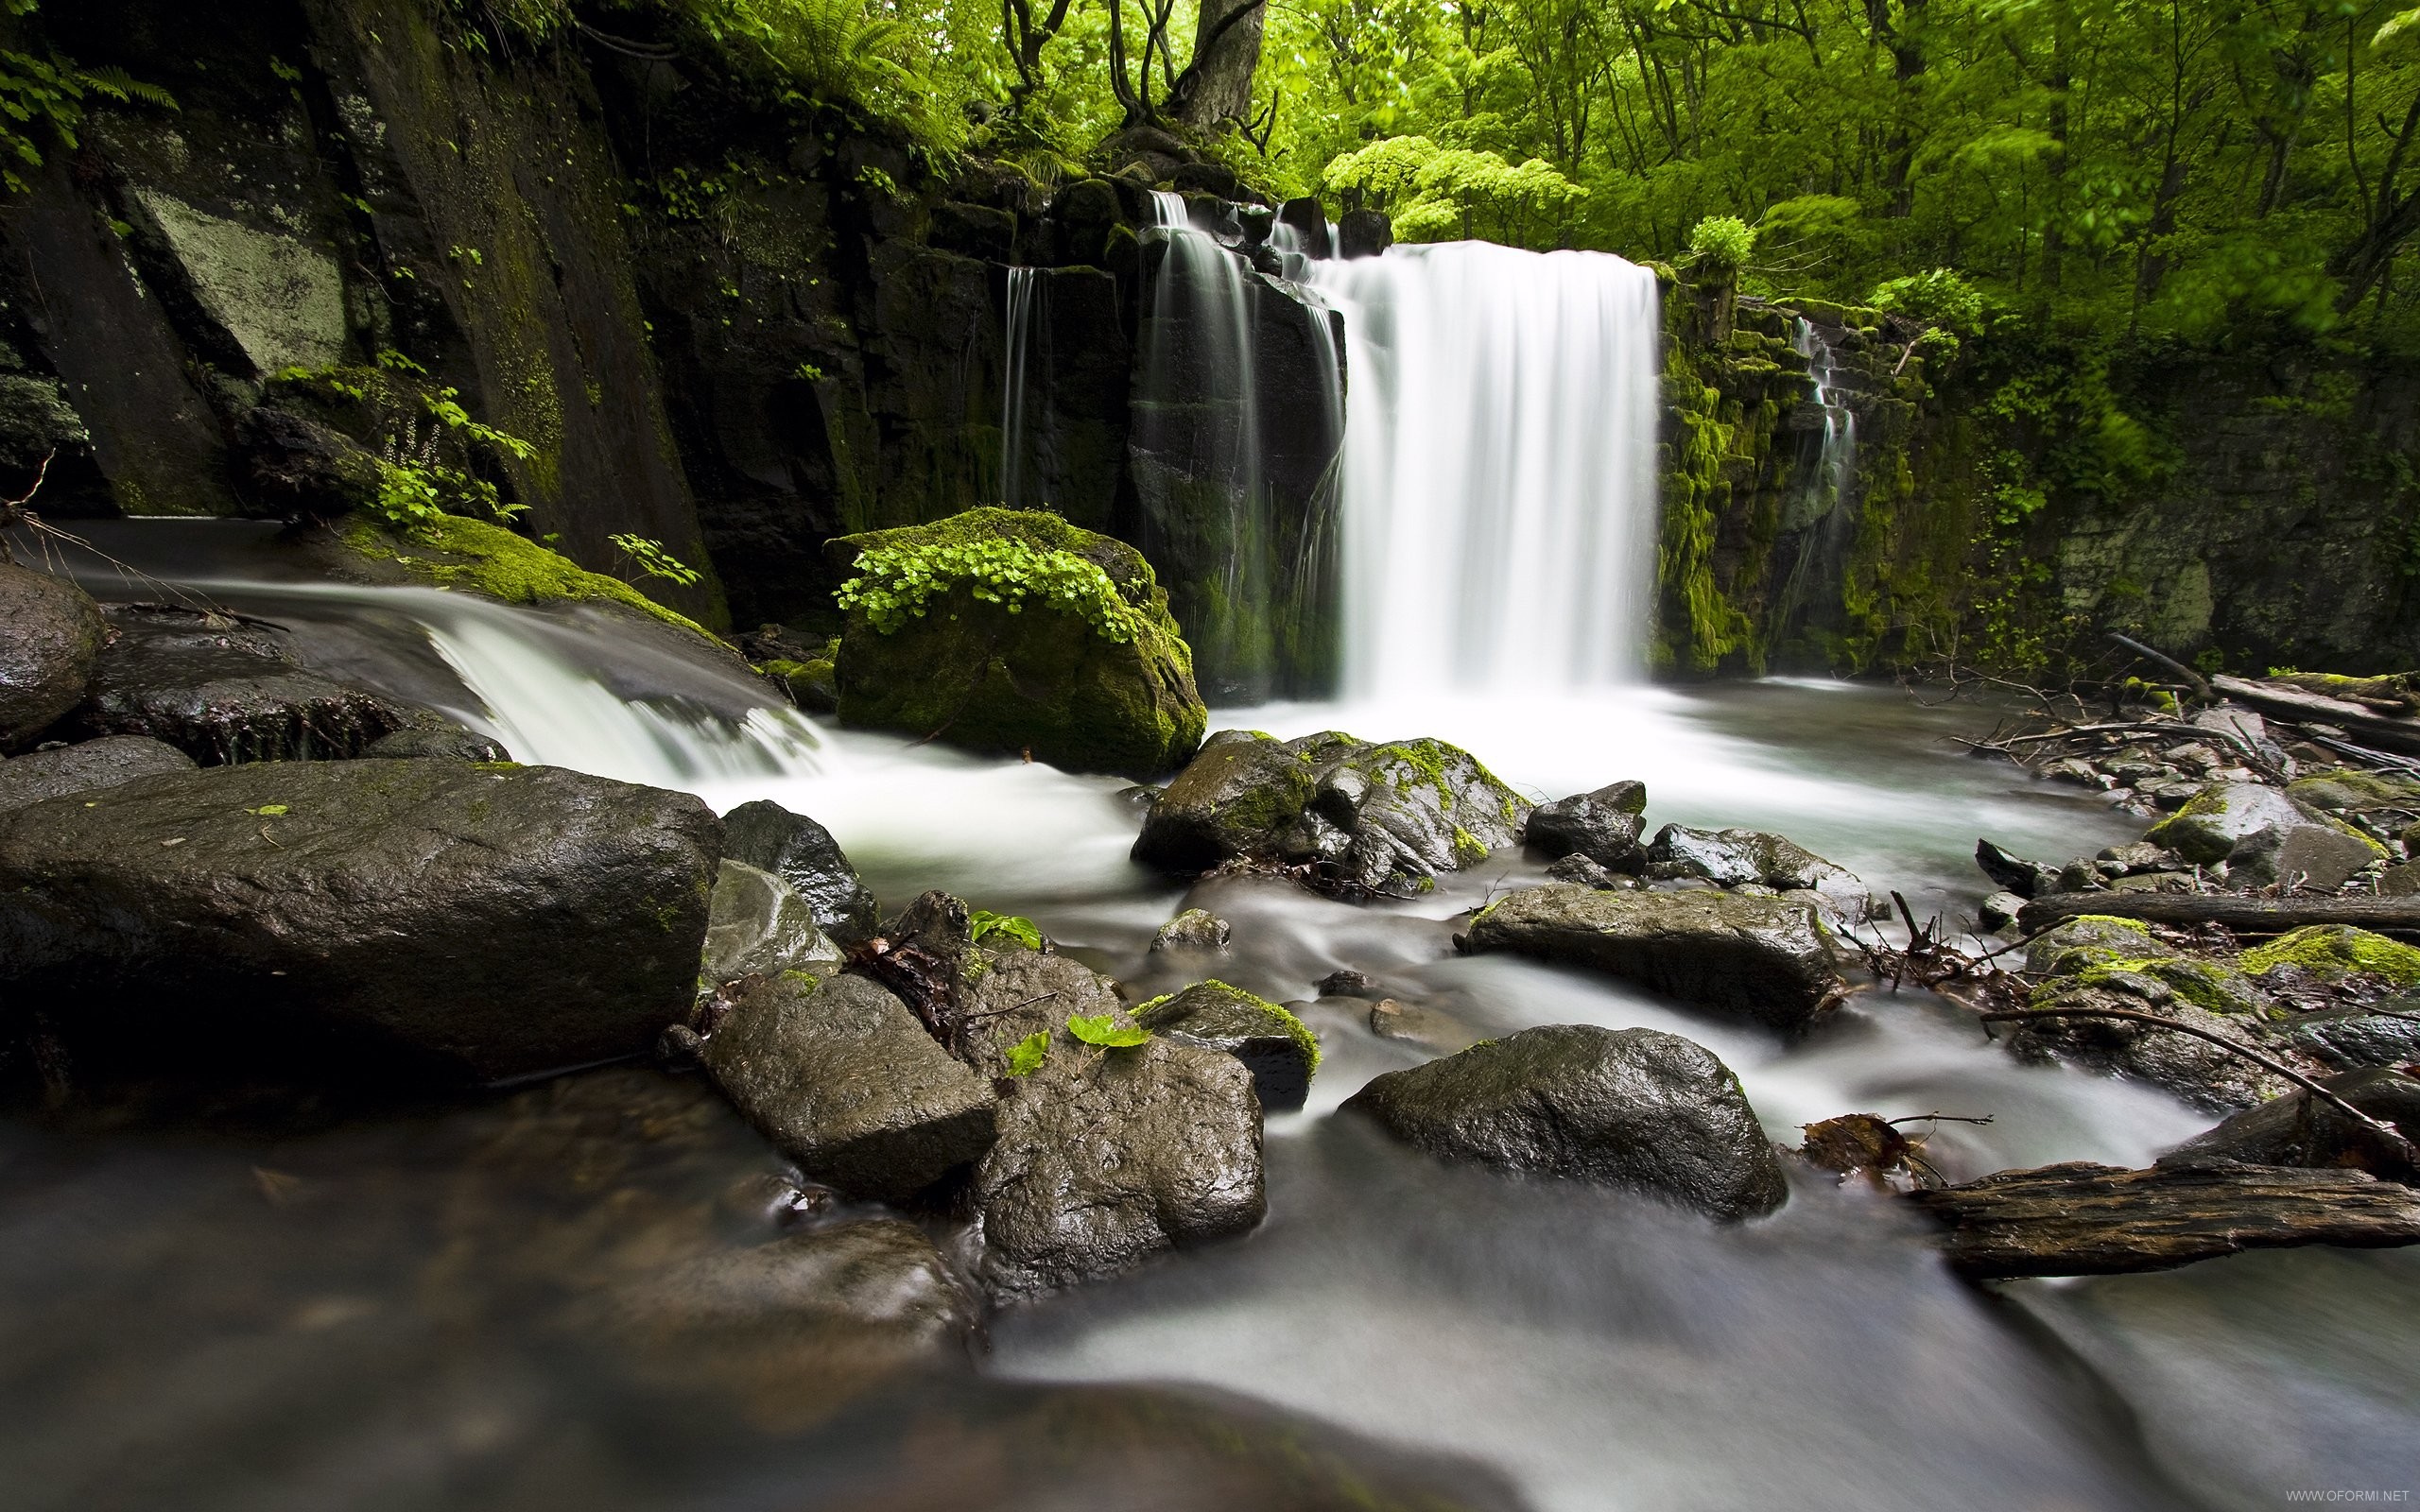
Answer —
2082 1219
2398 917
2275 702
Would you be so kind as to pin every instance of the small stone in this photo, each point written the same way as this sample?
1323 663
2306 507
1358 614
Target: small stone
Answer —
1281 1054
1582 873
1998 911
1347 984
803 854
63 771
1602 825
1195 929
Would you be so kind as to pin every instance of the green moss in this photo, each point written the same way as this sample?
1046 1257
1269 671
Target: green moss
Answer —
1467 847
2206 985
2333 950
452 552
1293 1027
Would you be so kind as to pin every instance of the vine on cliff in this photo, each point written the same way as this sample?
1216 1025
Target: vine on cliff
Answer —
895 584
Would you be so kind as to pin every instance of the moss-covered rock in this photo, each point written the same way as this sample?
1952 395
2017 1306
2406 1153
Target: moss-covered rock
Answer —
2223 815
1357 817
453 552
1002 630
1277 1048
2332 952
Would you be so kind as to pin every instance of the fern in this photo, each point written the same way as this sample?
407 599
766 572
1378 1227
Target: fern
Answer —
42 98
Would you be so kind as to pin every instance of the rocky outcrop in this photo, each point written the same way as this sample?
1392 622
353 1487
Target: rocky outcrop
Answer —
1628 1108
1745 858
2262 830
803 854
1601 826
844 1081
2301 1129
1356 818
757 926
424 916
1109 1156
1279 1051
1768 959
224 691
86 767
2344 1039
2082 1219
51 636
1004 632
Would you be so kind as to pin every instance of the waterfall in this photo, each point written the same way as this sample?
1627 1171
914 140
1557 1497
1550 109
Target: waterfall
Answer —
1499 496
1817 523
1026 287
1836 465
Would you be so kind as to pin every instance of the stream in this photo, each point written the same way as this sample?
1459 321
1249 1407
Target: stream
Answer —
366 1309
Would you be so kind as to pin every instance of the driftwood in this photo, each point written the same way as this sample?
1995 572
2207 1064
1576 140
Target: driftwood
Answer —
2278 702
2399 916
2082 1219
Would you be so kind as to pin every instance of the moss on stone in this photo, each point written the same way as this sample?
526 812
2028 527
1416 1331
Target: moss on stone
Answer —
2333 950
453 552
2210 986
1277 1014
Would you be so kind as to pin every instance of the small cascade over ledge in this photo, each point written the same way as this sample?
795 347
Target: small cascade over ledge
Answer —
1498 487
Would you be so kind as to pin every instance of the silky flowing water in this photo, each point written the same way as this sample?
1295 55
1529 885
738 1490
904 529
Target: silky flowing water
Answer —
248 1314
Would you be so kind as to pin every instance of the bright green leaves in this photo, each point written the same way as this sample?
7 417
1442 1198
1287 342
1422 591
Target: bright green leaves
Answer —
1101 1030
1723 244
1015 926
649 555
1027 1055
895 584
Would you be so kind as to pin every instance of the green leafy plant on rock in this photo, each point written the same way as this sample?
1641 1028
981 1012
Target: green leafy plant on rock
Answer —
895 584
44 97
1015 926
1102 1029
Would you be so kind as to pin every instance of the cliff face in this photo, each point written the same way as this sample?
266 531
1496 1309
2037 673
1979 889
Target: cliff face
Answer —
743 339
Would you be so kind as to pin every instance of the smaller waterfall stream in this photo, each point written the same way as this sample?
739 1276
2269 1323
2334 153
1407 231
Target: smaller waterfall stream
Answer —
1819 519
1027 289
1835 467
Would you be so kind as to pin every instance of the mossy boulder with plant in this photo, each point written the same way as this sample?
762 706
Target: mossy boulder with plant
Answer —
451 551
1346 814
1004 630
1277 1048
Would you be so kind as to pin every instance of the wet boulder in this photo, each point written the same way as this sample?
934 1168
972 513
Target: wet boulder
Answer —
2336 953
1277 1048
1768 959
1356 817
1007 631
757 925
842 1078
1108 1156
1582 872
51 638
2223 815
1626 1107
2313 857
2299 1129
431 736
2026 879
1007 992
1602 825
433 915
1195 929
2185 1065
803 854
85 768
2351 1038
1745 858
224 691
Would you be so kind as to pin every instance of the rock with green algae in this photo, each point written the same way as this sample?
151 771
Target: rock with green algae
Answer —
2222 817
1277 1048
1379 819
1004 630
2333 952
459 553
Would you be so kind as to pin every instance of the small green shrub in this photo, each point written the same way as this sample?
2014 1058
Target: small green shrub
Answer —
649 555
1723 244
895 584
1015 926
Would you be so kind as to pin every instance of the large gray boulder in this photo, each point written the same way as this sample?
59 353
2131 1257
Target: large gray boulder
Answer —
1627 1108
1108 1156
2351 1038
223 690
1357 817
2223 815
757 925
492 922
1277 1048
1741 858
844 1081
2299 1129
51 636
86 768
1766 958
1602 825
803 854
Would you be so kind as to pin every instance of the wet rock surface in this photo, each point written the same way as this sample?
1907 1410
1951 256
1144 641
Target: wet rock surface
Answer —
1353 817
756 925
2352 1038
1602 827
1768 959
1628 1107
1195 929
2082 1219
222 691
2300 1129
803 854
430 916
1272 1045
86 767
1108 1156
842 1078
1752 858
51 639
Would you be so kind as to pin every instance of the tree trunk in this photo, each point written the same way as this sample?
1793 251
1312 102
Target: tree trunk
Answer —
1226 53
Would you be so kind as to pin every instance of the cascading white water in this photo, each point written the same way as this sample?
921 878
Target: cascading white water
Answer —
1499 467
1026 287
1837 465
